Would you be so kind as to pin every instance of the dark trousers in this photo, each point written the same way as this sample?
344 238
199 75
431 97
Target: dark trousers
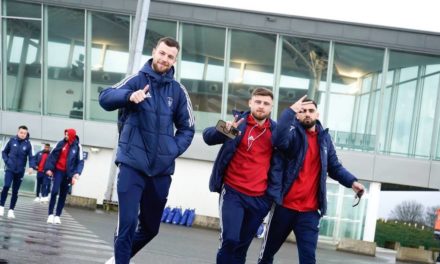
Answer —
15 179
39 187
240 217
305 225
141 201
47 182
60 186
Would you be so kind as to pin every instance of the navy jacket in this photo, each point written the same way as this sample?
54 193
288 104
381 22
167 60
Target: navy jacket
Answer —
75 160
212 137
291 140
147 141
15 154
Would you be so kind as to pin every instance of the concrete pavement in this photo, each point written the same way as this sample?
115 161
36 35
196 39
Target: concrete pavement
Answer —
87 236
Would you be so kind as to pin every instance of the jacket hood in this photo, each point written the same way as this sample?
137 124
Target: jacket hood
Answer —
71 134
166 77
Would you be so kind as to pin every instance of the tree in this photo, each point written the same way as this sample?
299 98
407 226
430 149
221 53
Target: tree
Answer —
431 215
409 211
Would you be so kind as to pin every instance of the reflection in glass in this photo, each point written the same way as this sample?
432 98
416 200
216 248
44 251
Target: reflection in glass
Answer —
202 71
409 104
303 71
353 96
156 29
23 67
65 62
18 9
251 65
109 58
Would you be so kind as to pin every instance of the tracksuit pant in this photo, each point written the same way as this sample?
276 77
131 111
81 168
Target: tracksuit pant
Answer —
15 179
60 186
40 186
47 182
240 217
282 221
141 201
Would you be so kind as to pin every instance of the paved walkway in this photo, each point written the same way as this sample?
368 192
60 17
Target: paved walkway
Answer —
87 236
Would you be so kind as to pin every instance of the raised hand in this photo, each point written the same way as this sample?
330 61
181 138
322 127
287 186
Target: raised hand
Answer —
139 95
297 106
234 123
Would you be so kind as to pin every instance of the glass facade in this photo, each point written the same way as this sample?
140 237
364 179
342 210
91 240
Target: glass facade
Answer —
374 99
219 67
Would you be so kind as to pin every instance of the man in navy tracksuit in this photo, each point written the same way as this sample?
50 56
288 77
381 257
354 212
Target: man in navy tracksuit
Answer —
153 102
15 153
65 164
43 180
309 155
241 176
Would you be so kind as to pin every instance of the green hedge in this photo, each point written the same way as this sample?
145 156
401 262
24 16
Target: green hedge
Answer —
408 236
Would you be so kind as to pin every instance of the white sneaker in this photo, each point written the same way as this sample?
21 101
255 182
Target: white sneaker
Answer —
110 260
50 219
2 210
37 199
57 220
11 214
44 199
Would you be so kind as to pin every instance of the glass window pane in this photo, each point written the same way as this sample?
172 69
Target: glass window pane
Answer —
411 94
18 9
23 67
202 71
427 113
109 58
251 65
156 29
356 78
327 226
303 71
65 59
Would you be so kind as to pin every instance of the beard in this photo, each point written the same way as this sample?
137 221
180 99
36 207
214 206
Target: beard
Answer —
259 116
308 124
159 68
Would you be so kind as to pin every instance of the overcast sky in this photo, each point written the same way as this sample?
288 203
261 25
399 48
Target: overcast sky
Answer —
419 15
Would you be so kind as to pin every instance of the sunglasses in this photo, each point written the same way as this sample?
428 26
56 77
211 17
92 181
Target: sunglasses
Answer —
357 198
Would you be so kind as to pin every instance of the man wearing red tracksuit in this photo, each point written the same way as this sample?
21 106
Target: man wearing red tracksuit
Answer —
65 163
241 175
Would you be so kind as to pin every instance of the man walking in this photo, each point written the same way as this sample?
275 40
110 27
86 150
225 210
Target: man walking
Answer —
15 154
153 103
43 180
241 176
65 164
309 156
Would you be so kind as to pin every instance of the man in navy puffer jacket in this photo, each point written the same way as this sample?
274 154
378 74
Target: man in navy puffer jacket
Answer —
152 102
16 152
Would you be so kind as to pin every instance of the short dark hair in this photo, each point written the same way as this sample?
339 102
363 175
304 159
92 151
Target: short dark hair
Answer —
170 42
22 127
310 100
262 91
47 145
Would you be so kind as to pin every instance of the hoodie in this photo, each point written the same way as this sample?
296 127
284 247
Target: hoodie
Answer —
62 160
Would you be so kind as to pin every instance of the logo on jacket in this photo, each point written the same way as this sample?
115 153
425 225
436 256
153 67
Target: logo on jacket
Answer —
170 101
15 145
24 148
148 95
73 151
